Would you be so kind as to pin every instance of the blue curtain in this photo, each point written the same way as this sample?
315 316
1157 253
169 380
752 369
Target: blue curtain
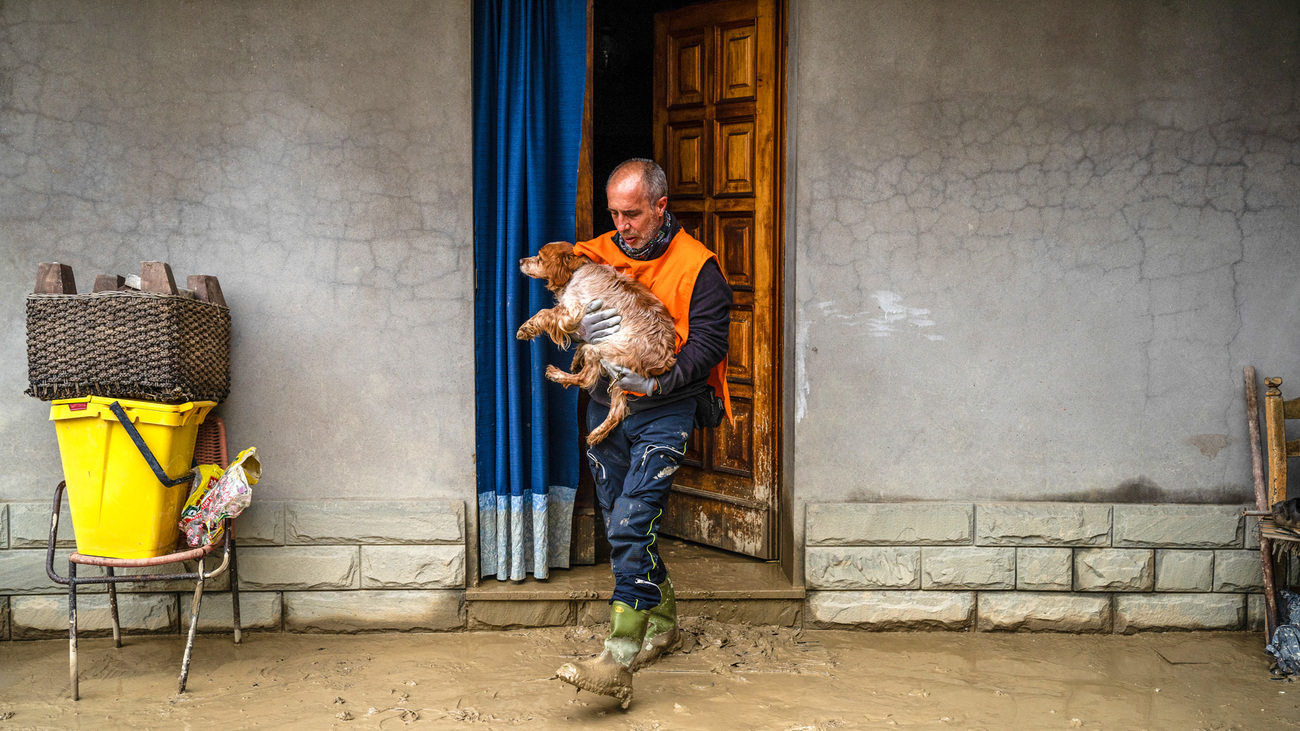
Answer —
530 73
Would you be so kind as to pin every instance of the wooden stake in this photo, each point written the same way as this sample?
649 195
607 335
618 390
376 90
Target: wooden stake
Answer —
1256 445
156 277
206 288
55 278
1261 500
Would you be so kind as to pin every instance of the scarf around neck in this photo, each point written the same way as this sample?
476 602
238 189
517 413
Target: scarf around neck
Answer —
656 248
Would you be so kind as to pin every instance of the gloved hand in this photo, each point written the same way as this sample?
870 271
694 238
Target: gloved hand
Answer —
598 325
629 380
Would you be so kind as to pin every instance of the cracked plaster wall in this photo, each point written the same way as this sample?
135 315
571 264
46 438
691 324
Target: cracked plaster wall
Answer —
314 156
1037 242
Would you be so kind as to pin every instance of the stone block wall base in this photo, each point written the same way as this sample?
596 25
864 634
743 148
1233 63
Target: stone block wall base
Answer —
890 610
258 611
41 617
1137 612
1038 567
1043 612
347 612
514 614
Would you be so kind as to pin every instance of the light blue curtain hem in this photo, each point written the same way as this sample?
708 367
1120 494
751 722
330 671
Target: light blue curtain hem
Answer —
511 525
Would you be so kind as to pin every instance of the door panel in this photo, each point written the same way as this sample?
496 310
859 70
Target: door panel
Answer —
715 133
686 70
734 244
735 169
738 72
740 361
692 222
686 159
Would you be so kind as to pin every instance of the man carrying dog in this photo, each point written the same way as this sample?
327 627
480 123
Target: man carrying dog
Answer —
633 467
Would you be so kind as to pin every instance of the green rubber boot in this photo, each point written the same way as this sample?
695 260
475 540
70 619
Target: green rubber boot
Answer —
661 632
610 673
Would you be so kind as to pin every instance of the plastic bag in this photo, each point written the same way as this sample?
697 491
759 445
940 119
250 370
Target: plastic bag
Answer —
219 494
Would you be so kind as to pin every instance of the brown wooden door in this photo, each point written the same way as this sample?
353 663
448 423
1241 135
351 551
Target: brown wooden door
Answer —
715 119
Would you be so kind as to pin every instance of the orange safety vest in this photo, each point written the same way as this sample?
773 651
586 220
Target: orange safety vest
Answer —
671 278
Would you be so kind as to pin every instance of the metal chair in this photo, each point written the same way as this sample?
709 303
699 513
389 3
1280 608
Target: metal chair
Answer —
210 448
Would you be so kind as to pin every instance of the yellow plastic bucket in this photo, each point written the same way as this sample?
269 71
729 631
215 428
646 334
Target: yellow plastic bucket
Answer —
119 508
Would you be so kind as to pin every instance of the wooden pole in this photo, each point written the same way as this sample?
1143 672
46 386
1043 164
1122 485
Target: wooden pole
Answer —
1261 500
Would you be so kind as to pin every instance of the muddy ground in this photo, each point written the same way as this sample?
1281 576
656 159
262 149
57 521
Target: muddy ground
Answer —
727 677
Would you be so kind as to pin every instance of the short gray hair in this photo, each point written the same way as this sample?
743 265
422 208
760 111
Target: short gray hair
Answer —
653 180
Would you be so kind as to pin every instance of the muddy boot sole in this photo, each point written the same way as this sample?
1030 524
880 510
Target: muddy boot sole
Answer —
655 648
602 677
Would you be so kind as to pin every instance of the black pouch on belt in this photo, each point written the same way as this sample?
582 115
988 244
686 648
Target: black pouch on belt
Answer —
709 409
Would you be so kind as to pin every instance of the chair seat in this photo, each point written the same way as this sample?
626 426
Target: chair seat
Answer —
1273 531
189 554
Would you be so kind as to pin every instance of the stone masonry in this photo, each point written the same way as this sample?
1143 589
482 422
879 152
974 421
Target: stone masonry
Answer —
336 566
366 566
1056 567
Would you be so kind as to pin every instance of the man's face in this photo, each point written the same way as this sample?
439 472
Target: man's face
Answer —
636 217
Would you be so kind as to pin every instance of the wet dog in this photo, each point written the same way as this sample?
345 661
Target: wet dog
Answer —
645 341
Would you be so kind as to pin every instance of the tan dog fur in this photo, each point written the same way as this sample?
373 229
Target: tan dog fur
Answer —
644 343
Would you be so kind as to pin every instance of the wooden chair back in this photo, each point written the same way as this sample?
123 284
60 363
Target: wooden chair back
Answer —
210 444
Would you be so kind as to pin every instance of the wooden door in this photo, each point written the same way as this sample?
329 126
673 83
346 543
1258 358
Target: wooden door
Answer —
715 120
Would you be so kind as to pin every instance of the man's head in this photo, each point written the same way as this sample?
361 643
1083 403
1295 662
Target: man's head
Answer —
637 193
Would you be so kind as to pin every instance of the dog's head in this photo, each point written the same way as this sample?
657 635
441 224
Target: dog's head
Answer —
556 263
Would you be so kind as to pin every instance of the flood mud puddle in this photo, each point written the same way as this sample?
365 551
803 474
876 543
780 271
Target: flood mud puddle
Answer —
724 677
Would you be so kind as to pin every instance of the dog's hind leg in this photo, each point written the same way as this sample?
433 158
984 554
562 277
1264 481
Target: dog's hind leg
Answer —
590 373
585 378
564 379
617 412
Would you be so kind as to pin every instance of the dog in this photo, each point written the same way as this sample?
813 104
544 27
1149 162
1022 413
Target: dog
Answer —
646 340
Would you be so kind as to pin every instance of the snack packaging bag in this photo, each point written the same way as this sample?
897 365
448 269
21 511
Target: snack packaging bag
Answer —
219 494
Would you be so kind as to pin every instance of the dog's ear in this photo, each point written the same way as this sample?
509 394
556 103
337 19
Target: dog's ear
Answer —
574 262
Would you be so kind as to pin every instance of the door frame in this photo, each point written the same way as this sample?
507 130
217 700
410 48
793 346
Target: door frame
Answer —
783 256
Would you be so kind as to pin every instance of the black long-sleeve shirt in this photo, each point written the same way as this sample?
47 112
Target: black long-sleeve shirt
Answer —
705 346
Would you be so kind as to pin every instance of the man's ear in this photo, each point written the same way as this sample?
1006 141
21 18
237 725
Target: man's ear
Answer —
661 205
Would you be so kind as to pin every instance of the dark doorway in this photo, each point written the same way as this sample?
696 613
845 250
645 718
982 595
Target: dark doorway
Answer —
623 54
622 112
697 87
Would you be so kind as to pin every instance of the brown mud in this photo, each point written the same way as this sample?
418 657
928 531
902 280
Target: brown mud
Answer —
721 677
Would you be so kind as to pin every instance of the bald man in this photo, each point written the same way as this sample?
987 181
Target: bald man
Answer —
633 467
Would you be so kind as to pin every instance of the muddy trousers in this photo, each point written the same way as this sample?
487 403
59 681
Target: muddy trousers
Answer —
633 471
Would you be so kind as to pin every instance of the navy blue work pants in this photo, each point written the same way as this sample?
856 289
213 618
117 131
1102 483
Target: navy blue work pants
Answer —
633 470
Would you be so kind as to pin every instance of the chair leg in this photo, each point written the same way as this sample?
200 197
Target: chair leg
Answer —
72 631
112 608
194 624
234 584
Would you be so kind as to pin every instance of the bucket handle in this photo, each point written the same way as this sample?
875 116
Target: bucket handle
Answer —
134 433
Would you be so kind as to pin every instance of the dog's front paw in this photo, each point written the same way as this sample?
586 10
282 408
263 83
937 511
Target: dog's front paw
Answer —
555 374
526 332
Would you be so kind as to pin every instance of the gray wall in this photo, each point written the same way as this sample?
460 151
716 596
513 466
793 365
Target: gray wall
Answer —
1037 242
1034 242
314 156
